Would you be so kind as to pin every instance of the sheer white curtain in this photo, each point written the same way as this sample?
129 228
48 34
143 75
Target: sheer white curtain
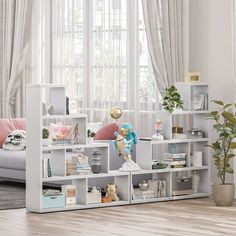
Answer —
100 53
165 34
15 32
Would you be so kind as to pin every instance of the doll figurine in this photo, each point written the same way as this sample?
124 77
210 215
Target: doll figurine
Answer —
76 134
158 128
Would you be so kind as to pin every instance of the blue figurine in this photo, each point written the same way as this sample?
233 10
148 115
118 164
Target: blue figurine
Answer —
126 138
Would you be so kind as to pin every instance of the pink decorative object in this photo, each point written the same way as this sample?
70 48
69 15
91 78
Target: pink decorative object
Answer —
61 130
107 132
8 125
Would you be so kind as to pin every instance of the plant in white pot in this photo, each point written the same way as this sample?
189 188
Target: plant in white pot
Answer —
225 125
172 99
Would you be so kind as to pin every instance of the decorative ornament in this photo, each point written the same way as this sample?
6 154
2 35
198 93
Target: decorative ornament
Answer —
116 112
158 128
126 137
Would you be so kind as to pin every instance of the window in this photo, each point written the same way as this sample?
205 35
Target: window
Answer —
100 52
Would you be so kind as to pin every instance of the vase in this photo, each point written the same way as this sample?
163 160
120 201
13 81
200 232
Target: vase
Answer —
223 194
195 182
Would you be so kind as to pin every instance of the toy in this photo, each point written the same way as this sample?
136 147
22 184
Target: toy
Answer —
158 128
125 139
111 192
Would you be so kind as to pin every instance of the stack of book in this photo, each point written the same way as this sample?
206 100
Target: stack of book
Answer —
175 160
200 101
80 164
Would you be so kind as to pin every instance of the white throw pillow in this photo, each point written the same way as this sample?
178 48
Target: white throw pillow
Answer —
15 141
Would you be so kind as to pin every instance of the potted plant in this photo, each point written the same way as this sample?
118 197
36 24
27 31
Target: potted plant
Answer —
172 99
46 140
225 125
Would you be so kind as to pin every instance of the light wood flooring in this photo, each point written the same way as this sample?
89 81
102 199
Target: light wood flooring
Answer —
189 217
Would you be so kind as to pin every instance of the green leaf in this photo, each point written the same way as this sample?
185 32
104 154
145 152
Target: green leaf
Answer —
232 145
227 105
229 116
229 170
218 127
231 155
221 103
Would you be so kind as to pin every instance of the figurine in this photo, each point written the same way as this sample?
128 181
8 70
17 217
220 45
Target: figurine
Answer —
111 192
76 134
126 137
158 128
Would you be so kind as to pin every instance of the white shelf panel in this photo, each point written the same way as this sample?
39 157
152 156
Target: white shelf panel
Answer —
79 207
66 208
143 172
166 141
161 199
190 112
88 176
189 168
196 195
51 117
46 85
192 84
61 147
166 170
114 203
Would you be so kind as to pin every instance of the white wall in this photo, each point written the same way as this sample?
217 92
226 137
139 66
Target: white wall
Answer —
210 48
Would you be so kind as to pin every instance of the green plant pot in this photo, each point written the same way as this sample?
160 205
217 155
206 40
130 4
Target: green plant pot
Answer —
223 194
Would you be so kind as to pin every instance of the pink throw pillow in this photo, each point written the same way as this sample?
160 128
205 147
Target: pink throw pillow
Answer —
107 132
19 123
8 125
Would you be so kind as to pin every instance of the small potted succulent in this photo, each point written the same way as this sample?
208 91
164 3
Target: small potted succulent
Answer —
225 125
46 140
172 99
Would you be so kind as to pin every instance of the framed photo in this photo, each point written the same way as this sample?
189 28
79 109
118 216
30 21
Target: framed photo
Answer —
192 77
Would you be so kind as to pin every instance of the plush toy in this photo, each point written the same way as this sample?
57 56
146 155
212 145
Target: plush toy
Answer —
111 191
15 141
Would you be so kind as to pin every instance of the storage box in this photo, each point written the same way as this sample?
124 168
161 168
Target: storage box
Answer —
70 194
53 201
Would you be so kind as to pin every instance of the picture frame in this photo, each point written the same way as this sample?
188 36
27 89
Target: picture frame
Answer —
192 77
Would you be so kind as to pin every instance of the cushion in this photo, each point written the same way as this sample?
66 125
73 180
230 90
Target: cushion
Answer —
107 132
15 141
8 125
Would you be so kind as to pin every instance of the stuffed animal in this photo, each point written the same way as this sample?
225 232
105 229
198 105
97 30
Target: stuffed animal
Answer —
111 191
15 141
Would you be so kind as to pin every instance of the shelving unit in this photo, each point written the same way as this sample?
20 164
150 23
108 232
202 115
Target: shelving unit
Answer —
149 150
58 154
146 151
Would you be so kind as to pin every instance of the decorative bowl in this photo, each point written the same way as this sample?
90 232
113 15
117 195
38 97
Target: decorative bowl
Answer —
143 185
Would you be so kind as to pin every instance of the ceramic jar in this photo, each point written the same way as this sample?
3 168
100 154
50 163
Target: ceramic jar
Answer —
96 164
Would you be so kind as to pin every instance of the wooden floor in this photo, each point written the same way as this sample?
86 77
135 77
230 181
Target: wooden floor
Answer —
177 218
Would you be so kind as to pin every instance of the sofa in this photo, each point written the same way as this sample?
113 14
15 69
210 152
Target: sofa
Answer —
12 163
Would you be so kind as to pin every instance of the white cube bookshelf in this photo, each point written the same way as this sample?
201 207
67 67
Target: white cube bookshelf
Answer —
146 151
58 154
